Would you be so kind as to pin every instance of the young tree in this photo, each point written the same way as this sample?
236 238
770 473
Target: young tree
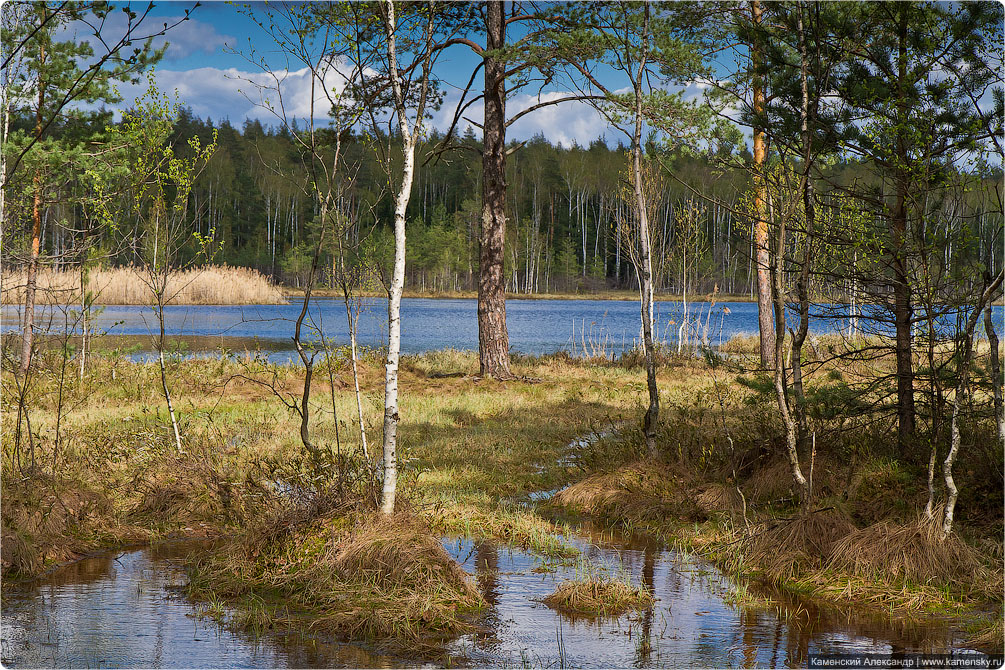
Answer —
44 78
410 51
322 40
910 119
655 44
158 202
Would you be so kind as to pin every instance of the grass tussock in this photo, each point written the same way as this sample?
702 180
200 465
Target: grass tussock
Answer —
599 596
212 285
38 523
719 498
357 574
643 492
787 547
915 553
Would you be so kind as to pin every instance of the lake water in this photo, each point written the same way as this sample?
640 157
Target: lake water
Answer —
602 327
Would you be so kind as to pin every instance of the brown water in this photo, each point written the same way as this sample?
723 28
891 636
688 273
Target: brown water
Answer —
126 610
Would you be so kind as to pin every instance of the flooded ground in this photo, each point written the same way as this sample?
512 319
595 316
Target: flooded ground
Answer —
126 609
693 623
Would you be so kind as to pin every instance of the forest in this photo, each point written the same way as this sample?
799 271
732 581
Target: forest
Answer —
311 368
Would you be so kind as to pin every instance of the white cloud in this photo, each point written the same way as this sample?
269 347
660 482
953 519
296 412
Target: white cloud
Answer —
238 95
565 123
183 38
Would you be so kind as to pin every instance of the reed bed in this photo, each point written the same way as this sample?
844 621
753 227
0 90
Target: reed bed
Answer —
211 285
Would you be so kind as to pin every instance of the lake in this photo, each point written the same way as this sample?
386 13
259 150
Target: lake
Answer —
602 327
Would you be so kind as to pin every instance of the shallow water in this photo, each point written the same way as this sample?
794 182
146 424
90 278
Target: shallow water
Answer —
691 625
126 610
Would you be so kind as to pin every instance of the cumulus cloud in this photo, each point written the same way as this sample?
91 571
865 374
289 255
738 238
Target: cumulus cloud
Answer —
566 123
183 39
238 95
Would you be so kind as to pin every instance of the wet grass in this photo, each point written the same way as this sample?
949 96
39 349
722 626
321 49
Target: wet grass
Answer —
359 575
470 449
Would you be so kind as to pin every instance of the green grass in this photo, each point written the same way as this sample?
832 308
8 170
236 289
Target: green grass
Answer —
469 448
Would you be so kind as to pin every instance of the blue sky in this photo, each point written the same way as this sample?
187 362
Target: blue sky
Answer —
205 65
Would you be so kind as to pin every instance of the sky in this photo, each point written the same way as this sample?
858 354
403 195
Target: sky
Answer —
207 64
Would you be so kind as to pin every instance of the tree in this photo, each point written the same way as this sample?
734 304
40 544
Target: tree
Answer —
45 77
652 45
505 70
158 201
909 118
412 95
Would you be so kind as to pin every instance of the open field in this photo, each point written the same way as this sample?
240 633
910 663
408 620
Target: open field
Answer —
108 474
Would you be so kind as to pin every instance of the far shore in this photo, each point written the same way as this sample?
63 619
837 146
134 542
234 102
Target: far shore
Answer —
622 295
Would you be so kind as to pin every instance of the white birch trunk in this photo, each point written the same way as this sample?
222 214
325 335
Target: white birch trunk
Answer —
391 415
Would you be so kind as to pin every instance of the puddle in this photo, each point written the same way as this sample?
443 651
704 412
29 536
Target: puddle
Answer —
127 610
691 625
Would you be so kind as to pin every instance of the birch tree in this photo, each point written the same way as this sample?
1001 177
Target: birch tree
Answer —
409 54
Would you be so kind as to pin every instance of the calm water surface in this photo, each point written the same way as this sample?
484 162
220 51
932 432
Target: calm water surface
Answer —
126 610
535 326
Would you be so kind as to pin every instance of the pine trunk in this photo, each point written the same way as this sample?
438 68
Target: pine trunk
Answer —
493 337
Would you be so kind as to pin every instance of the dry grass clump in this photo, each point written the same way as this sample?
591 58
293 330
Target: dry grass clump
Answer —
211 285
884 489
915 552
593 596
742 344
717 497
771 482
789 546
642 492
514 526
39 521
355 573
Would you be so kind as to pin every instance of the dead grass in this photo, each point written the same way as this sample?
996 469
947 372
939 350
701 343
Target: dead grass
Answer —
515 527
719 498
212 285
915 553
643 492
991 638
48 520
598 596
786 548
358 573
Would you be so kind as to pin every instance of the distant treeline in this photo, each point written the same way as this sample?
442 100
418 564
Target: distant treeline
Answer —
565 208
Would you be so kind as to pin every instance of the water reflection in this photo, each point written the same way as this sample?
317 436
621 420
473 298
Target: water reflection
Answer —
126 610
691 624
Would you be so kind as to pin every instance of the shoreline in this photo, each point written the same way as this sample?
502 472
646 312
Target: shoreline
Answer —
612 295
